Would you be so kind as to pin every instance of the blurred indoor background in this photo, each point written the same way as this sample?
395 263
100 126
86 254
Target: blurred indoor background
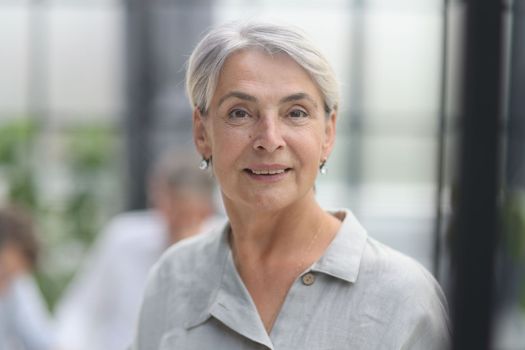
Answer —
92 90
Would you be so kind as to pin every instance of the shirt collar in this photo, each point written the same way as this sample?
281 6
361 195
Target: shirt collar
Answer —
226 292
235 308
343 256
228 298
208 278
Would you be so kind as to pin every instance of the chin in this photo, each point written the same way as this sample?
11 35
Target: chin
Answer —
269 204
262 201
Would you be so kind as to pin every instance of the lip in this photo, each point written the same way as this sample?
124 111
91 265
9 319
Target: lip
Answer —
269 173
263 166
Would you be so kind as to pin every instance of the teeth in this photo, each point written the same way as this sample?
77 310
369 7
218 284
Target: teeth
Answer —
267 172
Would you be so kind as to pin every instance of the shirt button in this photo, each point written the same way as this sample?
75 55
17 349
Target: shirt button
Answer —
308 279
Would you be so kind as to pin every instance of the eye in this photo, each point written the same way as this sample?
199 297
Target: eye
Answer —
297 114
238 114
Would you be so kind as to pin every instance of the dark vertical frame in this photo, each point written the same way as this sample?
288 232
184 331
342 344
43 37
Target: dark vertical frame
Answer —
515 164
476 219
139 99
160 37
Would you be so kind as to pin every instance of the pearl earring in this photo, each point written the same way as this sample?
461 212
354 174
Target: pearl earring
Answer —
204 164
322 168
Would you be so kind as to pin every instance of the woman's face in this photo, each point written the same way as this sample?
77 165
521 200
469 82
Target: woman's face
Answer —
12 263
266 131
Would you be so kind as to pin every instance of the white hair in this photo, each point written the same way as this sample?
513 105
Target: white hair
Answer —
207 59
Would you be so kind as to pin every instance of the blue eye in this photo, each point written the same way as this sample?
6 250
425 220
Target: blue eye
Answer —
238 114
297 113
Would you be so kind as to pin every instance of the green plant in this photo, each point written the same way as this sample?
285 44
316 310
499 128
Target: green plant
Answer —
17 140
66 222
88 157
514 238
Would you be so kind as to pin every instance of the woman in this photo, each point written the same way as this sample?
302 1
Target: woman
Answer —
24 319
283 273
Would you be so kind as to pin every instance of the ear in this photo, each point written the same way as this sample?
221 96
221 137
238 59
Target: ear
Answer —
329 138
200 134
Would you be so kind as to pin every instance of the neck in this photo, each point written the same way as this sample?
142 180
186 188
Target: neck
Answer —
300 229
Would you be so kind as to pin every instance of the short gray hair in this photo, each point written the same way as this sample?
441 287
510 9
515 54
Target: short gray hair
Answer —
207 59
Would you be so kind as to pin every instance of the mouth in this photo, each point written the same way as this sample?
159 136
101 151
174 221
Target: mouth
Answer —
267 172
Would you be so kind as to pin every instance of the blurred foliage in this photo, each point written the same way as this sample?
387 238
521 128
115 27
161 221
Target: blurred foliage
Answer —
514 221
88 156
17 140
71 221
89 149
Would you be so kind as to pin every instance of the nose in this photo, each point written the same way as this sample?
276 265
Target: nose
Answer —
268 134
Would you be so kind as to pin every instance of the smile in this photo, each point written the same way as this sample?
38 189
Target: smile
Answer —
267 172
270 174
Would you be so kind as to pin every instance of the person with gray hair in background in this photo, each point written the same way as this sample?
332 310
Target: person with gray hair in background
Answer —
283 273
100 308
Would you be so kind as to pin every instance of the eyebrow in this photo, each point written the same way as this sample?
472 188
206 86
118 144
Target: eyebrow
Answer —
291 98
239 95
298 96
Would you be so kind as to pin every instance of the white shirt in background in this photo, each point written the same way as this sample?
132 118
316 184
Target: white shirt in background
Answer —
24 318
100 308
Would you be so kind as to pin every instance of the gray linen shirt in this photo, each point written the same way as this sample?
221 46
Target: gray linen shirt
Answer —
360 294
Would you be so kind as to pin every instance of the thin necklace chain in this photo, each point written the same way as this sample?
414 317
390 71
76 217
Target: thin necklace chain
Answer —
299 268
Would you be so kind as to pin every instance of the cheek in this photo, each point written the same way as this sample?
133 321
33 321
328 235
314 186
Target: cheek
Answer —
13 261
224 137
227 146
308 144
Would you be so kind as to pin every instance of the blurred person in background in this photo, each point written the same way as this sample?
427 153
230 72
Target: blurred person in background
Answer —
283 273
24 318
100 308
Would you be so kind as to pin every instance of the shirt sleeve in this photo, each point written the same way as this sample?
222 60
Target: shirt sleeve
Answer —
83 311
30 319
152 315
429 332
421 321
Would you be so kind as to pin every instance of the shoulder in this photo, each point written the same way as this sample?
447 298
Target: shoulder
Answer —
417 306
188 259
179 285
374 265
192 249
400 275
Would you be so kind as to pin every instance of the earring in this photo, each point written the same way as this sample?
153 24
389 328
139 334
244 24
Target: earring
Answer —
204 164
322 167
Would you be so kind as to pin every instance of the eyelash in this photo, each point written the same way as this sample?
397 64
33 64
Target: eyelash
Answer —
232 113
302 114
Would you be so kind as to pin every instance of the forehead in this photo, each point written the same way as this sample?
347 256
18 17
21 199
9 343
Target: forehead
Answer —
255 71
